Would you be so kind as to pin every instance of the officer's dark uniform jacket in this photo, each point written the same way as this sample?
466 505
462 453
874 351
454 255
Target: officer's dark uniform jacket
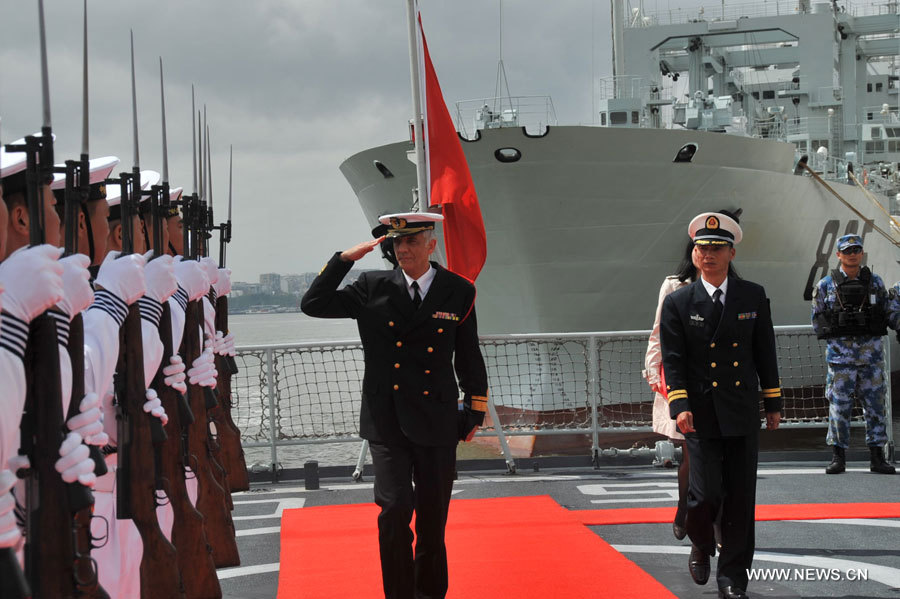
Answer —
716 372
410 392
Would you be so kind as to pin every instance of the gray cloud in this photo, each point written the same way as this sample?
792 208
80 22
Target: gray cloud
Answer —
296 86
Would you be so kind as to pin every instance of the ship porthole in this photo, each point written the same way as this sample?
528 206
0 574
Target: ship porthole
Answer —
686 153
507 154
385 171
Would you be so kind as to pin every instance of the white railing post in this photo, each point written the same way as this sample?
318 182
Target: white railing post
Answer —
270 378
361 461
501 437
593 392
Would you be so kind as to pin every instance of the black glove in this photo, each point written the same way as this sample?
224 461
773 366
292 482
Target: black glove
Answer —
467 420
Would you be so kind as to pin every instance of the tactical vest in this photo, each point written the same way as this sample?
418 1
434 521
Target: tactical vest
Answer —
855 313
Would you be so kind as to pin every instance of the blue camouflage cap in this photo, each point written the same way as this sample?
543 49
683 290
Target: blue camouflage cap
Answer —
848 241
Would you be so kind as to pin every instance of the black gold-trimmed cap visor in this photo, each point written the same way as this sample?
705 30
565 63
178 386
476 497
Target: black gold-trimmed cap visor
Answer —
409 230
712 241
409 223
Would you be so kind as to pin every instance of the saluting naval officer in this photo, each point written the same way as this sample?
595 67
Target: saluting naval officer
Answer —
417 325
718 349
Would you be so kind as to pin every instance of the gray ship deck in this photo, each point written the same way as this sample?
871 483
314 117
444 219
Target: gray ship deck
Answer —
872 545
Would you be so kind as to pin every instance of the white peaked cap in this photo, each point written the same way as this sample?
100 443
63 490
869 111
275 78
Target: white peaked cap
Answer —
101 168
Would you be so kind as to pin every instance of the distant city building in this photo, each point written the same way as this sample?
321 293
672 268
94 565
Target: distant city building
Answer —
294 284
270 283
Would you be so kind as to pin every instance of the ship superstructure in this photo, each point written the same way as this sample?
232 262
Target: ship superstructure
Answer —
583 222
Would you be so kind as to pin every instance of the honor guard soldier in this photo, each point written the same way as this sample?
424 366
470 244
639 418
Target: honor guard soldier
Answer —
417 325
851 311
718 349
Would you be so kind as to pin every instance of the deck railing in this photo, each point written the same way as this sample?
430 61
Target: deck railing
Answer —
541 384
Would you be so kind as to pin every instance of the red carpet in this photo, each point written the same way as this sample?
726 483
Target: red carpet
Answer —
518 548
794 511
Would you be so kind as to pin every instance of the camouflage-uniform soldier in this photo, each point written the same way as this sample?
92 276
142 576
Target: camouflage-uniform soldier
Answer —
851 310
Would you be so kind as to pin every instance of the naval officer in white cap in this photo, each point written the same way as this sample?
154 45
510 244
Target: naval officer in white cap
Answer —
718 351
419 337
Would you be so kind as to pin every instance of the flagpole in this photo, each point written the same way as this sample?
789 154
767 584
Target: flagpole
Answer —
418 124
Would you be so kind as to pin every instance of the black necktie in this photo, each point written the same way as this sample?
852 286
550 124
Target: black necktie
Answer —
417 299
717 307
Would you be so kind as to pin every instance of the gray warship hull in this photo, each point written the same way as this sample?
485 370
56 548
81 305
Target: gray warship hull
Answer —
584 226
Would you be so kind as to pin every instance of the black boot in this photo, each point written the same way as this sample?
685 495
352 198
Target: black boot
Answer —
877 463
838 461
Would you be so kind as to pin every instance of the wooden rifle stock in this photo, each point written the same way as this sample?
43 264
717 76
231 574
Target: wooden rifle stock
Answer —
195 559
136 474
229 435
49 543
13 584
211 496
86 579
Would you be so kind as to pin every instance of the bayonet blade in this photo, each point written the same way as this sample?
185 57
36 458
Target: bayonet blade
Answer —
137 158
85 118
165 147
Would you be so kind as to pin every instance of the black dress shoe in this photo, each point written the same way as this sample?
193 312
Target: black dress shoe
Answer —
679 531
698 564
732 593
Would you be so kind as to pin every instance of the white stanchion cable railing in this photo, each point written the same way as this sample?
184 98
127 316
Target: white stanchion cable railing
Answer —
540 384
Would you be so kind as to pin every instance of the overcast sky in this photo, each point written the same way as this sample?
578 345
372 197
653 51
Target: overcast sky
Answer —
297 86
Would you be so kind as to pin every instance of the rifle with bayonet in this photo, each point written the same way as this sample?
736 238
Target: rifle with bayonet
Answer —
229 435
194 553
223 443
211 496
138 433
77 193
49 501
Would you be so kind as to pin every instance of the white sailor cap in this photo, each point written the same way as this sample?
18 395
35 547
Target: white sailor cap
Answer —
12 166
409 223
100 168
114 193
715 228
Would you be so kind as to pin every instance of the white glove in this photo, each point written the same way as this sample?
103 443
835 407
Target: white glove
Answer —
211 267
78 294
9 531
32 277
174 374
192 277
225 344
75 461
223 284
203 372
153 406
161 282
123 277
89 421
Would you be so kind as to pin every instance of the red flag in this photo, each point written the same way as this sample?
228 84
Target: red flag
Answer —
450 182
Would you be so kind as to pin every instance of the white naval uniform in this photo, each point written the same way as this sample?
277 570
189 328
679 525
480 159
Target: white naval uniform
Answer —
120 559
13 337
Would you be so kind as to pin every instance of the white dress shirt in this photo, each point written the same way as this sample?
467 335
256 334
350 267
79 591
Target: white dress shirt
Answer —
424 282
711 289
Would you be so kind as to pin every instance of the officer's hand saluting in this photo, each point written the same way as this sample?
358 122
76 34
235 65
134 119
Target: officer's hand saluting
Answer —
360 250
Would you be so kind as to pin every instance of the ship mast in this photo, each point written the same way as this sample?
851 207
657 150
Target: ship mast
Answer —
420 194
618 43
